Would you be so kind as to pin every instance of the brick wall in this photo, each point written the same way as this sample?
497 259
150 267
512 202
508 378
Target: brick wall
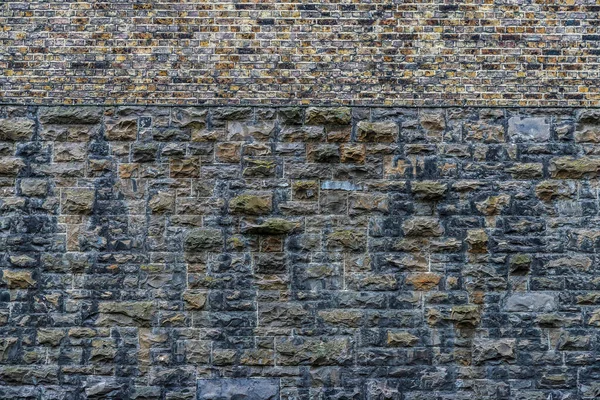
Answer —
299 253
350 52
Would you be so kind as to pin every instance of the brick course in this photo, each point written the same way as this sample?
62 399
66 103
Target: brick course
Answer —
352 52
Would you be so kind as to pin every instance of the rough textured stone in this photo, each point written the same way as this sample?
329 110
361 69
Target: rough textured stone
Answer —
229 152
429 190
423 281
422 226
520 263
18 279
315 352
528 129
10 166
574 168
327 115
486 350
401 339
477 240
271 226
468 316
351 153
204 239
380 132
550 190
239 389
526 171
347 239
125 313
587 129
255 252
77 201
493 205
250 204
17 129
70 115
528 302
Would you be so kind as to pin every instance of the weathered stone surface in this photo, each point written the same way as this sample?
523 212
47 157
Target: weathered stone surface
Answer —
70 115
493 205
325 153
380 132
328 115
251 204
526 171
17 129
528 129
594 319
351 153
302 133
477 240
433 121
587 129
162 203
125 313
530 302
125 129
574 168
194 300
77 200
429 190
29 375
401 339
283 316
144 152
484 132
15 279
362 203
344 318
261 131
346 239
466 316
435 252
69 152
486 350
229 152
422 226
314 352
550 190
520 263
423 281
305 190
10 166
271 226
259 168
238 388
204 239
193 117
185 168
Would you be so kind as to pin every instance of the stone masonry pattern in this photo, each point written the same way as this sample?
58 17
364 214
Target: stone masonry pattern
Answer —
352 52
299 253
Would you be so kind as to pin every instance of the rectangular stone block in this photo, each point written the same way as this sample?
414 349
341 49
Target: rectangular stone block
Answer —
238 388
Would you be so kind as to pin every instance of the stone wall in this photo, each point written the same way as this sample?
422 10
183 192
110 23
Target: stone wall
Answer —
434 52
299 253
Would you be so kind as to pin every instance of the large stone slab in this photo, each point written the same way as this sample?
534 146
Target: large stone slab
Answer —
238 388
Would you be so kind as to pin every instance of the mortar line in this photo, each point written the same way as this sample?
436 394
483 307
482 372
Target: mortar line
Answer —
292 105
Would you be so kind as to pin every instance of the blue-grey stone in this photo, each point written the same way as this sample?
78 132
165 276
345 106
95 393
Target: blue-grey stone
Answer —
527 302
528 129
238 389
340 185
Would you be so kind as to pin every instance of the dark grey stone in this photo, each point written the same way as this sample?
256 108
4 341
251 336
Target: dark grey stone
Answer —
238 389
